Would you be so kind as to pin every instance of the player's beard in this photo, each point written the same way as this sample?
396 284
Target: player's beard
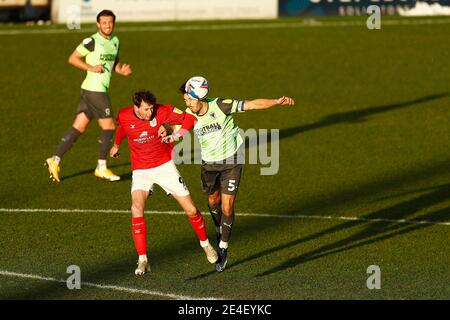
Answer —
200 108
192 108
107 32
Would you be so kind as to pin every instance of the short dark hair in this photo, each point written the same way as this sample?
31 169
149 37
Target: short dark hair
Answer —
106 13
143 96
182 88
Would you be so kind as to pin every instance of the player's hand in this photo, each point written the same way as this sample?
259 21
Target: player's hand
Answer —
114 151
285 101
125 70
97 69
162 132
171 138
168 139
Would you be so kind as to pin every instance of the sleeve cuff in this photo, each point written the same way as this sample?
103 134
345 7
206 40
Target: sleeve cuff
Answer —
240 106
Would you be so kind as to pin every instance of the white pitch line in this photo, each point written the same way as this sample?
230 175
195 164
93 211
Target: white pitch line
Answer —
101 286
270 25
242 214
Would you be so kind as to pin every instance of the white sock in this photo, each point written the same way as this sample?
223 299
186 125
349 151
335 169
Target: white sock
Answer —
223 245
101 164
56 159
204 243
143 257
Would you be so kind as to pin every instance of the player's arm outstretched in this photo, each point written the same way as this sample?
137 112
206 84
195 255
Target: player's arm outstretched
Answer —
261 104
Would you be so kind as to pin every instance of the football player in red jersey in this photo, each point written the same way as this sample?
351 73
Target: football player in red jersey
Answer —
151 162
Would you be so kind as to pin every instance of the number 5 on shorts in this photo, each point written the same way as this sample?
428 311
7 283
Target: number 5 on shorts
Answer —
231 185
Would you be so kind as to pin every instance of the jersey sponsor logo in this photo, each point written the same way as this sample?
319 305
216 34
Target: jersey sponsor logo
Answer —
107 57
143 137
214 127
213 115
132 126
153 122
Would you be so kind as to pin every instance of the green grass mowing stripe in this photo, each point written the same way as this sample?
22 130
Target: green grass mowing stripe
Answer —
238 214
270 25
101 286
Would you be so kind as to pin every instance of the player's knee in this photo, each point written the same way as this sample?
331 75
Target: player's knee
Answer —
109 126
191 211
81 129
137 210
213 204
214 199
227 208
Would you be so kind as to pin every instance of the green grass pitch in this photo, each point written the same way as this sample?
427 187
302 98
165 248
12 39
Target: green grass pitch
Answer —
369 137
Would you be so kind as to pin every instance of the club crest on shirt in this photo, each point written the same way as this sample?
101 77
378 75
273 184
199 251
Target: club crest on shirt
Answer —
153 122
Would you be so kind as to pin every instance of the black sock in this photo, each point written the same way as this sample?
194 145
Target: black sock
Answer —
105 143
227 225
67 141
216 213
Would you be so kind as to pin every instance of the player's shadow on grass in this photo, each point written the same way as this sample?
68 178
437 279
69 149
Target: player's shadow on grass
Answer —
126 176
108 272
55 290
375 231
121 267
357 115
91 172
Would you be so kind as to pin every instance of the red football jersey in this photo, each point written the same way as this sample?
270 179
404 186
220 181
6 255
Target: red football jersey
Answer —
147 151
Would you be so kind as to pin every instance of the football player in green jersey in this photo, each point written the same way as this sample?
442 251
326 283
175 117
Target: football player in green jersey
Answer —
98 55
221 150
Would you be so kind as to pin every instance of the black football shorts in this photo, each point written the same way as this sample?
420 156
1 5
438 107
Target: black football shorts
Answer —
95 104
223 177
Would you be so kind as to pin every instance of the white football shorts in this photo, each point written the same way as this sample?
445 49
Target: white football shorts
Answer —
166 176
